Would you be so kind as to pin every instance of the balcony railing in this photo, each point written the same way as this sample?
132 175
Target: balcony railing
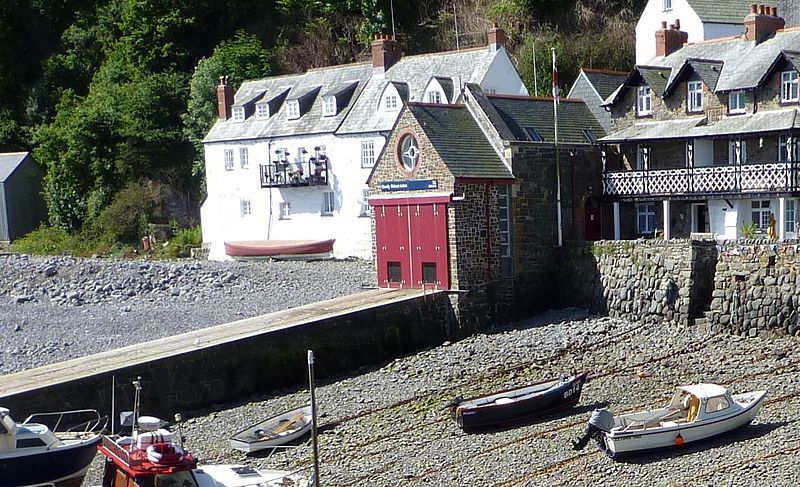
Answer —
774 177
288 174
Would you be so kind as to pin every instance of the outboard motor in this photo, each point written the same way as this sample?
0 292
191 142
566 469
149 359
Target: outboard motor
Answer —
601 420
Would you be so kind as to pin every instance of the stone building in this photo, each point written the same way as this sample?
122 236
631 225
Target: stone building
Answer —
465 195
704 138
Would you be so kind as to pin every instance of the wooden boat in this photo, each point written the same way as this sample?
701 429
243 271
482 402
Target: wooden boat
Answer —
275 431
694 413
254 249
33 454
515 404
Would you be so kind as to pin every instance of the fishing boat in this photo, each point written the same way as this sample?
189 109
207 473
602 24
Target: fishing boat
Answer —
694 413
275 431
515 404
31 453
279 249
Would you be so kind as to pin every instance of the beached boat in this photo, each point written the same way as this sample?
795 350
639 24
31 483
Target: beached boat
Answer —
277 249
694 413
277 430
31 453
520 403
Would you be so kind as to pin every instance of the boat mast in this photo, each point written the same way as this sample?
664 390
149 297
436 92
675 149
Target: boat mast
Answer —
313 416
137 384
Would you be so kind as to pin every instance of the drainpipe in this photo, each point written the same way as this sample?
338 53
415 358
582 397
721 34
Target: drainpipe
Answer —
488 234
574 223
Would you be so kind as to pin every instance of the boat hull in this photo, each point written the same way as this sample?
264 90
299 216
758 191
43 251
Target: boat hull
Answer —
63 466
559 396
249 440
250 249
620 445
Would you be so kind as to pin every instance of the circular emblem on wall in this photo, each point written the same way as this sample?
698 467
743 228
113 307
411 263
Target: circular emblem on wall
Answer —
408 152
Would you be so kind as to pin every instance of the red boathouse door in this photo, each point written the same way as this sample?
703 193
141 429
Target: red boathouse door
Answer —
411 242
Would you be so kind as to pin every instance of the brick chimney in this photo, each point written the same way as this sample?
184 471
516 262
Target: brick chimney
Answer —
497 38
761 23
224 98
385 52
669 40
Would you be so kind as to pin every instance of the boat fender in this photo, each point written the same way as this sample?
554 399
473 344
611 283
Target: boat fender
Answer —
164 453
679 440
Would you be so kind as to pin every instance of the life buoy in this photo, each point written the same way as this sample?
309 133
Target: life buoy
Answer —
164 453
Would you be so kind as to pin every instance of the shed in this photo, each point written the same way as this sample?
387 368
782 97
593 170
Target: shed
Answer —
22 207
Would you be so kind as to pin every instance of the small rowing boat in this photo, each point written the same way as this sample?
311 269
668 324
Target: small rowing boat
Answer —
275 431
277 249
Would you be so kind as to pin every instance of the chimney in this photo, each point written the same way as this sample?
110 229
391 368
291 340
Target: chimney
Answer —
669 40
497 38
385 52
224 98
761 23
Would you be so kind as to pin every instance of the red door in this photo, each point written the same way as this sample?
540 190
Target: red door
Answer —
429 262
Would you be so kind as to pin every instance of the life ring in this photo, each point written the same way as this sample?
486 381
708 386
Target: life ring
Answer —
164 454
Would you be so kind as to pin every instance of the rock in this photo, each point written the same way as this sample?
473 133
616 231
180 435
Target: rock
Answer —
50 271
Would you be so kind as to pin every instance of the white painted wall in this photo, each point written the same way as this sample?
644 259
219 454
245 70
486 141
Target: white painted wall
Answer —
502 77
650 22
723 220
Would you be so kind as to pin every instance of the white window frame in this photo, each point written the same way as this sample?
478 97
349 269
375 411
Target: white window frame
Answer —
643 101
732 143
759 213
245 207
504 222
390 103
789 87
238 114
328 106
228 159
666 5
790 216
694 96
282 154
285 210
434 96
737 102
642 157
367 153
364 201
293 109
785 142
301 155
244 158
328 203
262 111
646 211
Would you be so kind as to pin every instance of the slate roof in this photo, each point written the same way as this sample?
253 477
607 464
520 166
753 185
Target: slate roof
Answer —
790 11
605 82
520 112
459 141
9 162
655 130
655 77
721 11
311 122
466 66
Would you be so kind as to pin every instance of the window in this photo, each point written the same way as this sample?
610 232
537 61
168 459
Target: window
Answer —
30 442
394 272
642 157
789 86
429 273
643 106
245 207
328 202
694 96
645 217
238 114
760 213
667 4
229 159
285 210
262 111
329 106
787 149
281 154
409 152
533 135
390 102
365 208
367 153
737 151
293 110
434 97
589 135
791 216
504 220
737 102
243 160
301 155
714 404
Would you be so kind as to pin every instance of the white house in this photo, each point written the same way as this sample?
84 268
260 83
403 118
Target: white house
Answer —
701 19
289 156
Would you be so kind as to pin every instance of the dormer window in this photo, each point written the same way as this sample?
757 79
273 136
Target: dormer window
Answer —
238 114
643 106
736 102
293 109
390 102
262 111
434 97
789 91
694 96
667 5
329 106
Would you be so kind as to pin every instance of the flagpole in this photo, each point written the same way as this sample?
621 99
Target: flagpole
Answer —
555 137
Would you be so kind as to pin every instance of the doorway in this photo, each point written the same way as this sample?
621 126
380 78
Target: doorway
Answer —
700 218
592 215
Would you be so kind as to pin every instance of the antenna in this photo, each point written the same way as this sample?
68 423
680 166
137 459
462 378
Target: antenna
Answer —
391 7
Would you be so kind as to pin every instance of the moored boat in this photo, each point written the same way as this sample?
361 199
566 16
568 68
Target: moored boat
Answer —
519 403
254 249
695 412
277 430
31 453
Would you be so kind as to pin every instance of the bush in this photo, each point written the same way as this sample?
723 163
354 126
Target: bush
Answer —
45 241
181 244
125 219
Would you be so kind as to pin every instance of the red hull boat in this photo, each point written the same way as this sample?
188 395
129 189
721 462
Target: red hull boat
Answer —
279 248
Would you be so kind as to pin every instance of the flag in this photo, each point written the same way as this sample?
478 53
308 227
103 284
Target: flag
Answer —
555 78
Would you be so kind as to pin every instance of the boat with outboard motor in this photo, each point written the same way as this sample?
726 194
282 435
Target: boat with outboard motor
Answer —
48 448
694 413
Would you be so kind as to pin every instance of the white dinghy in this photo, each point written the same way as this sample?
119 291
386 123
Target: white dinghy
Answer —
694 413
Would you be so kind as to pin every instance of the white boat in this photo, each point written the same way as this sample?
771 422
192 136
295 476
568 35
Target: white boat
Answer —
243 476
694 413
275 431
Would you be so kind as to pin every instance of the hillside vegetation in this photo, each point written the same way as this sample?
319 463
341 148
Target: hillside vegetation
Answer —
116 94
